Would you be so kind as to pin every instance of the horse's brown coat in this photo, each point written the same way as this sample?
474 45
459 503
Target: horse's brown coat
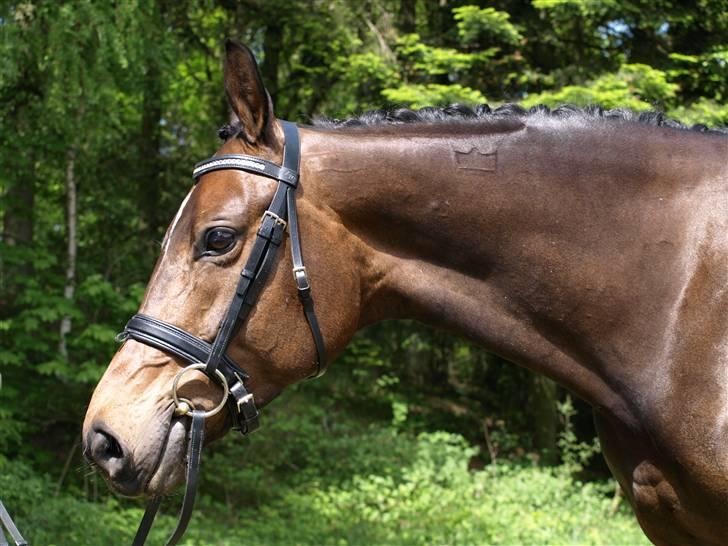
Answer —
592 251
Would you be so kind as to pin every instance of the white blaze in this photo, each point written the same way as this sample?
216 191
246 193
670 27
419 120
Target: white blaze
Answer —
173 225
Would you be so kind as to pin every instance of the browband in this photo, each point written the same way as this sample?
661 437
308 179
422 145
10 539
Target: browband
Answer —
246 163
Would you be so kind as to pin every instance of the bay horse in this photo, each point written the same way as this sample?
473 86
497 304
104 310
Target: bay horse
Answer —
590 246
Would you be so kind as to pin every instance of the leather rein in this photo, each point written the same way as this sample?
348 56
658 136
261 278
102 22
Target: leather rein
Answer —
6 522
210 358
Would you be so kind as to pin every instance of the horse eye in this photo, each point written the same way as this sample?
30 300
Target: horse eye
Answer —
219 240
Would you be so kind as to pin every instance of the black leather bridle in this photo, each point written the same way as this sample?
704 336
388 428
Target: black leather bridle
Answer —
210 358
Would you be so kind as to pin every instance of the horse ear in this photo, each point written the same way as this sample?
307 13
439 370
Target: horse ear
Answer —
246 93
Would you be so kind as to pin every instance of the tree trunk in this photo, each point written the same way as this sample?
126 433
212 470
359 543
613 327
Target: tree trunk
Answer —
72 248
542 398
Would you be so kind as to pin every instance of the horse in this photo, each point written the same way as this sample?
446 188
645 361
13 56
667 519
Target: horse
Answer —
588 245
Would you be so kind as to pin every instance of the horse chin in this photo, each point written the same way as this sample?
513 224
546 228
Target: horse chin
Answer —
170 471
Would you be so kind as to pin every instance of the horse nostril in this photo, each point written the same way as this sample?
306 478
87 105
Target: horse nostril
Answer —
106 446
106 451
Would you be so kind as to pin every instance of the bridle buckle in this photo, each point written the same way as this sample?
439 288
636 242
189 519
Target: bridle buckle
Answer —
301 277
277 219
244 400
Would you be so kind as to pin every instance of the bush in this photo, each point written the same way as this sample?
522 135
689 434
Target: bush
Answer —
63 520
432 498
435 499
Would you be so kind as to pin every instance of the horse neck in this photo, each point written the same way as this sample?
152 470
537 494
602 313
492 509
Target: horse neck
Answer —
545 241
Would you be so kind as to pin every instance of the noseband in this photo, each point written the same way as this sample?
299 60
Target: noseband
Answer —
210 358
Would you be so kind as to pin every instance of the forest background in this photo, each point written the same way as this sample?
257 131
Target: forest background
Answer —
414 436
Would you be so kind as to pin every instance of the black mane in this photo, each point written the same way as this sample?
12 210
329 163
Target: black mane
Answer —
460 112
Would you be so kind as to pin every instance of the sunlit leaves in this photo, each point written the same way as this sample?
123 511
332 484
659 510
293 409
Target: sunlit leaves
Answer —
704 111
417 58
475 24
705 75
432 94
635 86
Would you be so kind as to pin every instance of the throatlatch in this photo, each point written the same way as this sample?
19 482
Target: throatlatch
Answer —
281 213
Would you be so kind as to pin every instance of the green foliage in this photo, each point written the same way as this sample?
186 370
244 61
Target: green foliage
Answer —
363 76
705 111
474 24
583 6
635 86
60 520
704 75
432 94
575 454
419 492
418 59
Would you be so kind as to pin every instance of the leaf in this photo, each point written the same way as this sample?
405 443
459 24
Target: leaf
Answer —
421 95
474 23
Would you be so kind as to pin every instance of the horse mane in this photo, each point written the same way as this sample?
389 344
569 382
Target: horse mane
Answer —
461 112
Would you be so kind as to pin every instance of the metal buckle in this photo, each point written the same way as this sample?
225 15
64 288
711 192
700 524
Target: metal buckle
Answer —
277 219
304 277
244 400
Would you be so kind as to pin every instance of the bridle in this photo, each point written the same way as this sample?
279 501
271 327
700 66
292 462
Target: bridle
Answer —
210 358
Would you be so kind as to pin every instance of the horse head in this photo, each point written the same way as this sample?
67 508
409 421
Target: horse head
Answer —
130 431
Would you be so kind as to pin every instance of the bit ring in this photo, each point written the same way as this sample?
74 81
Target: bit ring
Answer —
183 406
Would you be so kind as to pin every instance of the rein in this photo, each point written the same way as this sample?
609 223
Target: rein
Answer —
7 523
210 358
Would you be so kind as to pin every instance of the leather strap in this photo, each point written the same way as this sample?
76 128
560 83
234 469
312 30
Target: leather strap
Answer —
267 241
304 287
260 261
246 163
170 339
194 453
147 521
7 522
